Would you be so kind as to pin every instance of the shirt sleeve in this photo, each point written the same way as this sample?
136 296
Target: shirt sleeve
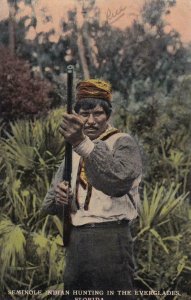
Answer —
49 206
113 171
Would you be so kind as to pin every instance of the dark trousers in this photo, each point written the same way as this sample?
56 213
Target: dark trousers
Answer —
99 259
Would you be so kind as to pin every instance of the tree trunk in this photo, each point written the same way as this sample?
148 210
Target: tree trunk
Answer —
80 43
12 26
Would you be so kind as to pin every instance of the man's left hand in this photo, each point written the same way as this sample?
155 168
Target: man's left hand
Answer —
72 129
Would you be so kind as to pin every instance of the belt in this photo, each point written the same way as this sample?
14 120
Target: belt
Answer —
103 224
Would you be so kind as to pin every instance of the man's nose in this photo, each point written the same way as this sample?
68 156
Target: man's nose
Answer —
91 119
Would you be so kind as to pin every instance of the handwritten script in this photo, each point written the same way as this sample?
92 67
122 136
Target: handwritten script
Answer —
113 16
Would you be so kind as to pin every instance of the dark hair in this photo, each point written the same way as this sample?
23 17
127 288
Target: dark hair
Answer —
90 103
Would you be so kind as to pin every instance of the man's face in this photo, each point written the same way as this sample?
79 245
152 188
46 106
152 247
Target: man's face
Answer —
95 121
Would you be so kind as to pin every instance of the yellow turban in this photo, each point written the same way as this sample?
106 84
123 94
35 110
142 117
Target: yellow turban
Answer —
93 88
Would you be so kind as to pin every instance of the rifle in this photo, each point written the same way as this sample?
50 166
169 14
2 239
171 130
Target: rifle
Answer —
68 160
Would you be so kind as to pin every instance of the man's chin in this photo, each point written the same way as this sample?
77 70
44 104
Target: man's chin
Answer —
92 136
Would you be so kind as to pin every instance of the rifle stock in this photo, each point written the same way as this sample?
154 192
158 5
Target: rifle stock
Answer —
68 159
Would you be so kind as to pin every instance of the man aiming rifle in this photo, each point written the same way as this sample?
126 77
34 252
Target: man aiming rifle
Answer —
103 198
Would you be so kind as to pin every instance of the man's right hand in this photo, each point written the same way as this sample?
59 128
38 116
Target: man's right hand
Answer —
63 193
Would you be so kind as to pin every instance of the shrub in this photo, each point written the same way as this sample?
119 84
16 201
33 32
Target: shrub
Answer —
20 94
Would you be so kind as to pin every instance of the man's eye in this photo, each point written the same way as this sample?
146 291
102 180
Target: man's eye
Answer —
84 114
97 114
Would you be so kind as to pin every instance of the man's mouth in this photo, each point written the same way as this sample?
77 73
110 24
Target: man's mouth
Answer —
90 129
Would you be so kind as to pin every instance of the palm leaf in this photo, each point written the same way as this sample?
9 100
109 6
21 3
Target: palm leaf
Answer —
12 241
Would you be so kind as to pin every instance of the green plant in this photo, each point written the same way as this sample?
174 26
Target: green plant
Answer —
13 240
160 237
30 244
31 153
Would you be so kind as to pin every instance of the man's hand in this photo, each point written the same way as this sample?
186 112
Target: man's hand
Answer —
72 129
63 193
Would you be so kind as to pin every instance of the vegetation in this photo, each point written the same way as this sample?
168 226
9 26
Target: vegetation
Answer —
31 245
20 93
150 72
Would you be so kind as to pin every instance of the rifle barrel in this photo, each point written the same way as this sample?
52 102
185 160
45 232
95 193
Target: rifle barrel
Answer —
68 159
70 72
68 147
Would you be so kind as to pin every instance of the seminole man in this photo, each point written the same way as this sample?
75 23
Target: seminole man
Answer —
103 198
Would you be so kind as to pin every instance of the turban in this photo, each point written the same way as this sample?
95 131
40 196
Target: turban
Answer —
93 88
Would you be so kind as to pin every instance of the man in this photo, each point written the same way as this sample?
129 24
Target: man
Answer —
103 197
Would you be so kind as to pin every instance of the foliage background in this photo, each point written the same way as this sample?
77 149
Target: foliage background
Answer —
149 69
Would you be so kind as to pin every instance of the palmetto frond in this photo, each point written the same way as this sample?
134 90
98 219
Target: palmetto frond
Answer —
30 155
155 215
157 207
46 252
12 245
35 146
